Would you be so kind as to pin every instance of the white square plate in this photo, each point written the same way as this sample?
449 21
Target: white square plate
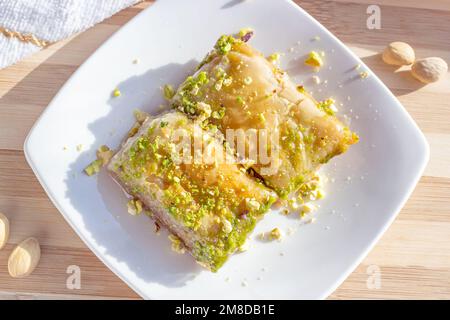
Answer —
371 182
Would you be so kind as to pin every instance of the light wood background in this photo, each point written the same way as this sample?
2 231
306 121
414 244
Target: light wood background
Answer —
413 255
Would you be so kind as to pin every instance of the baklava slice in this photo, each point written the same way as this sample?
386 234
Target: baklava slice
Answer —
248 93
210 204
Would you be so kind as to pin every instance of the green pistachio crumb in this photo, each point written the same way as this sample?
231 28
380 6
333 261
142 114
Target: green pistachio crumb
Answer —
169 92
314 60
274 57
219 114
327 106
104 154
116 93
275 234
301 89
227 81
224 44
93 167
134 207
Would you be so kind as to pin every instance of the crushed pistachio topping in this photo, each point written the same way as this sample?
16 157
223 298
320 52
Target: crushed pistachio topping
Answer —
248 80
320 194
293 204
309 191
134 207
300 203
314 60
218 85
189 90
116 93
177 244
219 114
252 204
204 110
79 147
104 154
168 91
364 74
227 81
93 167
225 44
275 234
307 208
328 106
301 89
274 57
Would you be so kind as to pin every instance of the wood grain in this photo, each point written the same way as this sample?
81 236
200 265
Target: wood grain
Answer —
414 254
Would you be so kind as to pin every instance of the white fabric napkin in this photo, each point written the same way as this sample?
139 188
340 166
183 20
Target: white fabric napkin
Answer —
40 21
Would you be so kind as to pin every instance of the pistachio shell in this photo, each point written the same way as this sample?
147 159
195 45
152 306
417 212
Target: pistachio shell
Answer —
24 258
429 69
399 54
4 230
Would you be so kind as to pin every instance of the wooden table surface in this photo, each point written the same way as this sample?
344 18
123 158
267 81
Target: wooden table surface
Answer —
413 256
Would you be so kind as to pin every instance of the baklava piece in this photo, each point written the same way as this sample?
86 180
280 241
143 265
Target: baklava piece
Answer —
209 204
245 91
